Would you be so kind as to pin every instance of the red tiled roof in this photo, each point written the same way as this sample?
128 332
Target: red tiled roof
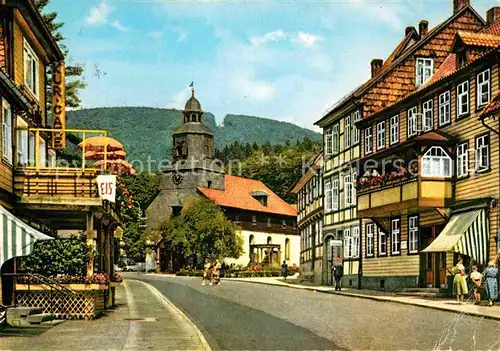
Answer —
493 28
492 107
448 67
479 39
237 194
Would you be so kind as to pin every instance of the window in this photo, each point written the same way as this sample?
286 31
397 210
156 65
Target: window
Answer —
348 186
436 163
347 132
369 240
394 125
268 222
396 236
42 156
382 243
287 249
355 242
22 142
347 243
31 69
6 132
329 141
412 122
254 220
482 153
368 141
335 194
320 235
31 149
355 131
381 135
444 108
52 158
424 68
462 160
283 224
413 234
427 116
483 88
328 195
463 99
336 139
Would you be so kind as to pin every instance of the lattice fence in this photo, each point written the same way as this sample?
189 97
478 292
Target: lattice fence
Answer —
81 305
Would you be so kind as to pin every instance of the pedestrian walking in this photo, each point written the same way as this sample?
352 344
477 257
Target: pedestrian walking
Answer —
491 282
337 273
207 270
459 281
284 269
477 279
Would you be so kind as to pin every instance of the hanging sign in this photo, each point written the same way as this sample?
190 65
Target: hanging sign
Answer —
336 242
59 105
107 187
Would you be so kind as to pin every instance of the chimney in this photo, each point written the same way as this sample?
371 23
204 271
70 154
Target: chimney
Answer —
460 4
423 28
376 66
408 30
492 15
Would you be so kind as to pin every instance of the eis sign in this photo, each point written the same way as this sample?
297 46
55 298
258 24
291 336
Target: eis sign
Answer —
107 187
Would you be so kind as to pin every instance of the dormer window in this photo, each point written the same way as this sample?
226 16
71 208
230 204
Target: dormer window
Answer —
260 196
461 58
424 68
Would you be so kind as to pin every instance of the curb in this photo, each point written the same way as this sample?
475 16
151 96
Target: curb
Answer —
169 304
368 297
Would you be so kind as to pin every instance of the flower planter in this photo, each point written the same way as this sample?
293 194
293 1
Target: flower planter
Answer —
74 287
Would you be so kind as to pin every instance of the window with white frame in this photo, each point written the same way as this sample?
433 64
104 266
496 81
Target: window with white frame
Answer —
427 116
6 132
463 99
348 185
483 88
320 231
52 158
22 142
412 121
328 195
395 236
31 69
436 163
369 240
482 153
356 133
42 156
413 234
347 132
381 135
335 194
382 243
368 140
31 149
329 141
336 138
355 242
394 126
347 243
444 108
424 68
462 160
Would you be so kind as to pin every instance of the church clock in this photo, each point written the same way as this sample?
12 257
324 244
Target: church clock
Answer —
177 178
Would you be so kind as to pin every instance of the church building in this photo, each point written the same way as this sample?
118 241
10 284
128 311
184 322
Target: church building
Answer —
267 222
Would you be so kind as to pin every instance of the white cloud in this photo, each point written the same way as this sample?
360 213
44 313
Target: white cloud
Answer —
270 36
307 39
120 26
179 99
98 16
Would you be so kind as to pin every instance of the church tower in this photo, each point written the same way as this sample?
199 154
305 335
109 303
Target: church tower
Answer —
192 166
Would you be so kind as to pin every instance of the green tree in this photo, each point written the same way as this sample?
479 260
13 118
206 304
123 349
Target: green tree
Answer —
201 233
74 81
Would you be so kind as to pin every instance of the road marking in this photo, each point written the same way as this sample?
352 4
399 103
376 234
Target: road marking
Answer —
169 305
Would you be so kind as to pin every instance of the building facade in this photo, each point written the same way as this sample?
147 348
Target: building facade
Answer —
268 223
309 191
428 181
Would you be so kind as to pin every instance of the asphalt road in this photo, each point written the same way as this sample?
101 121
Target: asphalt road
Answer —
238 315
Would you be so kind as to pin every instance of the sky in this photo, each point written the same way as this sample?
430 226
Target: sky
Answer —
285 60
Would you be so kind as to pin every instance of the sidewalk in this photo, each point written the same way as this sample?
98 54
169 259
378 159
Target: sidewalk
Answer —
144 319
449 305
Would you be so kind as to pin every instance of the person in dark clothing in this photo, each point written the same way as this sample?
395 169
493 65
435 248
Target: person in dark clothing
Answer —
284 269
337 272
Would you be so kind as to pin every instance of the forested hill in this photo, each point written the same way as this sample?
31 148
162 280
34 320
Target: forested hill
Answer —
148 131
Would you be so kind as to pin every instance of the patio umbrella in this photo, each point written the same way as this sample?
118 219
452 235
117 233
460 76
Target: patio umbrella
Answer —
111 155
120 167
100 143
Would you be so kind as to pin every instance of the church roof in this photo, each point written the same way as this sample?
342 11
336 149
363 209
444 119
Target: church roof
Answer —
193 104
193 128
238 194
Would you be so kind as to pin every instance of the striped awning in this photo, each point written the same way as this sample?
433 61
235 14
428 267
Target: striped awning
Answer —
16 237
466 233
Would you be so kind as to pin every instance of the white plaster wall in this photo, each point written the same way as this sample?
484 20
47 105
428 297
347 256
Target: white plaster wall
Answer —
261 238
